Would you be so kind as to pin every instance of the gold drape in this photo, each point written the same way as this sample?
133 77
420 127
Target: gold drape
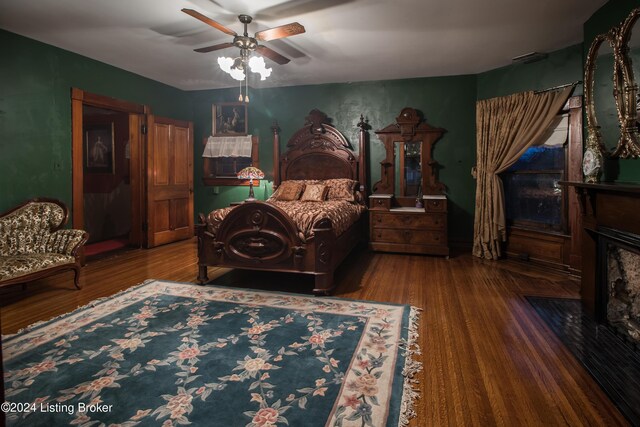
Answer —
505 128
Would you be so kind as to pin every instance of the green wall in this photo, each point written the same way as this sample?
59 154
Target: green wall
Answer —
609 15
447 102
560 67
35 113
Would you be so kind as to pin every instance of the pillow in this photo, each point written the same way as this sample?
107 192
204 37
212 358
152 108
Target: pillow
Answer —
314 193
288 191
341 189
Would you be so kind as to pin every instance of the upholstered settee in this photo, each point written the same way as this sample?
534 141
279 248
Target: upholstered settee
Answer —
33 243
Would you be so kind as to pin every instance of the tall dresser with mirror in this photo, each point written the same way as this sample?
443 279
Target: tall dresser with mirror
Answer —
408 207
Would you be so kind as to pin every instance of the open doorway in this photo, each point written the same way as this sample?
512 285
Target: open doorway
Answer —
107 171
107 180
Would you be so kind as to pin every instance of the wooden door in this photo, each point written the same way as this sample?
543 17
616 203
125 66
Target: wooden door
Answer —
169 180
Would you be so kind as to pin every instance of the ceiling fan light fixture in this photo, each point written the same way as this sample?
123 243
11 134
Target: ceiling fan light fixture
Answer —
225 64
236 66
228 66
257 65
237 74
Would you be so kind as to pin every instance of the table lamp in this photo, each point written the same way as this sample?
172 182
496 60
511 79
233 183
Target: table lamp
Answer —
251 173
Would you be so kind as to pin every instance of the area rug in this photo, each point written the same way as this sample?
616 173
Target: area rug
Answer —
166 353
613 362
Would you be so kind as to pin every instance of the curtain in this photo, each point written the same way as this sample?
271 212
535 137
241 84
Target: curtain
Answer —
505 128
228 146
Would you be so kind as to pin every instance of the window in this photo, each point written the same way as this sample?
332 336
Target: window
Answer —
228 167
222 164
533 196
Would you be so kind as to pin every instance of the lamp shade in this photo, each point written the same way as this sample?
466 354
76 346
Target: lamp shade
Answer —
250 172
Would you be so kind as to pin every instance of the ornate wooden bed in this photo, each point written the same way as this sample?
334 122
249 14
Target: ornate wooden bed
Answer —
260 236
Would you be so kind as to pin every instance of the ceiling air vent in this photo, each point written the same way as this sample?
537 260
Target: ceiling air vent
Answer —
528 58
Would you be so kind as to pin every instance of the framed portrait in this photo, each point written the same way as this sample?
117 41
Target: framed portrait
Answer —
99 148
230 119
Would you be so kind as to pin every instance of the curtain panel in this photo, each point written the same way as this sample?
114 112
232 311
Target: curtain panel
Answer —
505 128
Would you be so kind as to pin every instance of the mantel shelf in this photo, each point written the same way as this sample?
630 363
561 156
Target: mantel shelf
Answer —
622 187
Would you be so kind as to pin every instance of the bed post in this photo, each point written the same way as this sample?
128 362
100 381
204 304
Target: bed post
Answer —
276 154
362 154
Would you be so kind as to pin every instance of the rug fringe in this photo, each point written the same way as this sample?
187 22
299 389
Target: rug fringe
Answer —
411 367
91 303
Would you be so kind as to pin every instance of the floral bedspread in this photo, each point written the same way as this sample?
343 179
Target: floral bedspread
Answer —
305 214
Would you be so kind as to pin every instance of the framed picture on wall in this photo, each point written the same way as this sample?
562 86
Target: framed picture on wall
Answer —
99 148
230 119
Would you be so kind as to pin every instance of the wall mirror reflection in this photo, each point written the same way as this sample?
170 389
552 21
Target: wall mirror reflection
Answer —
408 168
606 112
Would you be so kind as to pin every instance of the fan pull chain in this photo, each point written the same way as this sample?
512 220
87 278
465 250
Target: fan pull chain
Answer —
240 96
246 87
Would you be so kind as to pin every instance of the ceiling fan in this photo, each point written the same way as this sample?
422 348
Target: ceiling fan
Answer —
246 43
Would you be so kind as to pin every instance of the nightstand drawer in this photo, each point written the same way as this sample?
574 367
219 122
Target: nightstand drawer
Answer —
407 220
409 237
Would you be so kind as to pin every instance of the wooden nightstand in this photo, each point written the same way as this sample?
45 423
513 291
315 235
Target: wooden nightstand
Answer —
409 229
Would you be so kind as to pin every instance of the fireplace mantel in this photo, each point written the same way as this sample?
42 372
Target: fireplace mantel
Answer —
614 206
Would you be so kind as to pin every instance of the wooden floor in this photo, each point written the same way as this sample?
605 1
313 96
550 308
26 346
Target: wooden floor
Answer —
488 358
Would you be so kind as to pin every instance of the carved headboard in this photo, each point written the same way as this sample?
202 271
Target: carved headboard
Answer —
319 151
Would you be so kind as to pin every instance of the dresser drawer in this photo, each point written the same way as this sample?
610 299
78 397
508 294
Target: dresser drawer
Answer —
408 220
409 237
380 203
435 205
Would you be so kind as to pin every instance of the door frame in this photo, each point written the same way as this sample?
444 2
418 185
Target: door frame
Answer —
137 119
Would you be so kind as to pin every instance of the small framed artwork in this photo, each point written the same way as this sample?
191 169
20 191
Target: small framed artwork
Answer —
99 148
230 119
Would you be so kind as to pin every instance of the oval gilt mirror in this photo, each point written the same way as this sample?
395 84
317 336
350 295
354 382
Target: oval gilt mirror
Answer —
629 52
601 93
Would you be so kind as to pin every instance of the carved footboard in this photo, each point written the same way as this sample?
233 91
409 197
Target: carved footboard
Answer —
260 236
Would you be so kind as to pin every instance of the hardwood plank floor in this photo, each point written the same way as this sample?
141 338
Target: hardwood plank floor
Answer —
488 358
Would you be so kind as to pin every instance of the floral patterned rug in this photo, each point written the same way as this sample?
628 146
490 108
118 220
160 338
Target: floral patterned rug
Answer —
169 354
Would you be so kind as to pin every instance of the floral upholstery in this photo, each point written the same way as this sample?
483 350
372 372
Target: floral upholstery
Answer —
21 264
31 240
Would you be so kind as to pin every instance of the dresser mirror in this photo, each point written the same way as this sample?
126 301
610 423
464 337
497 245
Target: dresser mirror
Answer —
408 168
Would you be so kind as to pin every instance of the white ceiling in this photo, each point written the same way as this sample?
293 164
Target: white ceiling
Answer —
345 40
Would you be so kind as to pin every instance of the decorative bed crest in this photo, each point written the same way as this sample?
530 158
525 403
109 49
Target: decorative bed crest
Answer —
316 119
323 135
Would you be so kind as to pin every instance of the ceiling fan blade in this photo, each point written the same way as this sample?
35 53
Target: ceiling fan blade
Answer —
272 55
209 21
214 47
294 8
280 32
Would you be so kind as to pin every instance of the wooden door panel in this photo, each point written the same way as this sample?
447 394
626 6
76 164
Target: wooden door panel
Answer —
181 156
171 192
162 213
169 236
162 138
181 213
170 181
